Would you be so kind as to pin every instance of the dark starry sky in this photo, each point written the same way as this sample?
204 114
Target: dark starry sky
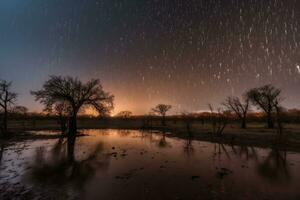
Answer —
183 52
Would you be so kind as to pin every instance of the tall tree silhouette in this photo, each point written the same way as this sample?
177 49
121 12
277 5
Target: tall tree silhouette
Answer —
7 98
162 109
235 105
77 95
265 98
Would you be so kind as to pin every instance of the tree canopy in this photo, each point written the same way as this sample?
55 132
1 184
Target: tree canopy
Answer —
161 109
266 98
76 94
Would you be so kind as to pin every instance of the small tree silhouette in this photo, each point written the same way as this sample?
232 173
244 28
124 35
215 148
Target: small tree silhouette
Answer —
76 95
219 120
240 109
124 114
265 98
7 98
187 119
162 109
21 110
148 120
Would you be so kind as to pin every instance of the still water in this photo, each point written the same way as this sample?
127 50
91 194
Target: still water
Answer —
122 164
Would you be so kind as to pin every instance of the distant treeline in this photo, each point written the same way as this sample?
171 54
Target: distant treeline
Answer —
66 98
288 116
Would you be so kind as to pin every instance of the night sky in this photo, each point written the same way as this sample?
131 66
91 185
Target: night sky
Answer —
187 53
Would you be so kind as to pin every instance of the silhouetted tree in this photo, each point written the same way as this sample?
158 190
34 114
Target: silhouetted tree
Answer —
7 98
21 110
148 120
124 114
162 109
265 98
77 95
219 120
188 119
235 105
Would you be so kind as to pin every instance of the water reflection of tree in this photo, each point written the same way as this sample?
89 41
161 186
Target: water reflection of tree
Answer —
274 168
240 151
124 133
188 147
56 168
219 150
245 151
163 143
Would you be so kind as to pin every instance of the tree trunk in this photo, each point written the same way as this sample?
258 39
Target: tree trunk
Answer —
1 152
5 120
63 127
73 125
163 120
270 120
244 126
188 127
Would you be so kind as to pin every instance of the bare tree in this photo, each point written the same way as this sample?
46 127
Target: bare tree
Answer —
187 119
21 110
124 114
7 98
162 109
219 120
148 120
76 95
265 98
235 105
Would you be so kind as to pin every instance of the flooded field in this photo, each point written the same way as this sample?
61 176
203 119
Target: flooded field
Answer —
121 164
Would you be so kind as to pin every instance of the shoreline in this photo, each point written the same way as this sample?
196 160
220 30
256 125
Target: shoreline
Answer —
261 139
